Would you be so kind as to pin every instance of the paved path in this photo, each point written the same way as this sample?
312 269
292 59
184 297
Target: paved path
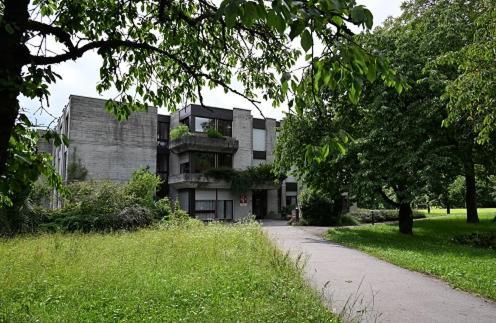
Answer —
364 288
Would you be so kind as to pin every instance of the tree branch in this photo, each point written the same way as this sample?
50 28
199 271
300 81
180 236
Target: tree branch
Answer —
45 29
387 198
77 52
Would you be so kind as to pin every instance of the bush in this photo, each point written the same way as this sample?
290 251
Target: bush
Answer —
142 187
131 218
319 209
477 239
41 193
179 131
214 133
369 216
168 210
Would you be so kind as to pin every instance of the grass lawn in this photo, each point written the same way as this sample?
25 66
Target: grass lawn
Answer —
430 249
213 273
440 212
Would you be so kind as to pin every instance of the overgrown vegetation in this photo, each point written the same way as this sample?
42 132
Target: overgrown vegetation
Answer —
374 216
100 206
244 180
213 273
214 133
179 131
432 249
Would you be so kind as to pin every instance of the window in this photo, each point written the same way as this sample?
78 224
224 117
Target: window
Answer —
184 168
291 201
162 163
163 131
202 124
225 210
224 161
201 162
291 187
259 139
205 209
208 210
225 127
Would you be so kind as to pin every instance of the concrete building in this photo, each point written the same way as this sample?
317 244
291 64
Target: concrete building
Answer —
112 150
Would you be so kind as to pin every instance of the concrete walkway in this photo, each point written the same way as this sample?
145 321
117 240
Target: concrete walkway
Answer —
363 288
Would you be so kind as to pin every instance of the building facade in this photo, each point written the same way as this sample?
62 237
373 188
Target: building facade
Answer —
110 150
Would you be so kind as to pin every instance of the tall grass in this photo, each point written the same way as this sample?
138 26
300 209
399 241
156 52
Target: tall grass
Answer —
210 273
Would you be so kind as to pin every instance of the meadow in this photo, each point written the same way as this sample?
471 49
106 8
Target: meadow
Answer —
207 273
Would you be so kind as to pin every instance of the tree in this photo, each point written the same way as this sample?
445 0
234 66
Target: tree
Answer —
166 50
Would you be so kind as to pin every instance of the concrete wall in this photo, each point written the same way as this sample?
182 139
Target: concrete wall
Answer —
270 140
109 149
242 131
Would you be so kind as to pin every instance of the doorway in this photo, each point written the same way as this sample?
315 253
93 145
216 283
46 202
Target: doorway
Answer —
259 203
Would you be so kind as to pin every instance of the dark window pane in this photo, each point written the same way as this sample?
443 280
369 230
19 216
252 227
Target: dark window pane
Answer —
225 161
202 124
229 210
225 127
291 201
162 163
184 168
291 187
163 131
202 162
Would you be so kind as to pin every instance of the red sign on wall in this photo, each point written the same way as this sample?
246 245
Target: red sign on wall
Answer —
243 200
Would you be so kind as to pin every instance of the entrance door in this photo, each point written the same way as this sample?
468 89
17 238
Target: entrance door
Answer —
259 203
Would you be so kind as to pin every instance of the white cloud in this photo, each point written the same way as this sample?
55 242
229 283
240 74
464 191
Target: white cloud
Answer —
80 78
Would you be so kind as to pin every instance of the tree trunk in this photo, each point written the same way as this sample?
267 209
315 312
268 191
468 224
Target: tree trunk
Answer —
406 218
13 56
448 207
470 189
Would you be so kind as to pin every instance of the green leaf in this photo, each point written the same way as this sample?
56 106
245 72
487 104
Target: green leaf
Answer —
306 40
285 77
296 29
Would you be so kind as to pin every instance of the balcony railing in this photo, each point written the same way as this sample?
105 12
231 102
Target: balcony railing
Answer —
200 142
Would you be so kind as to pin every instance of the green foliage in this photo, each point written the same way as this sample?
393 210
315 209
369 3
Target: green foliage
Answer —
431 249
477 239
41 193
142 186
24 165
170 212
470 94
244 180
179 131
101 277
76 171
214 133
369 216
317 208
107 206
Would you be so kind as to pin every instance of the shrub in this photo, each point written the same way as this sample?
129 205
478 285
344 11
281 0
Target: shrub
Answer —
214 133
132 217
179 131
477 239
143 186
41 193
319 209
348 220
76 171
369 216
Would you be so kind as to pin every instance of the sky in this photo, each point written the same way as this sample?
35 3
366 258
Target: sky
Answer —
80 78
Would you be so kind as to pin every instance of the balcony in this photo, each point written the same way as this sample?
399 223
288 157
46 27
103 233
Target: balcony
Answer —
200 142
196 180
